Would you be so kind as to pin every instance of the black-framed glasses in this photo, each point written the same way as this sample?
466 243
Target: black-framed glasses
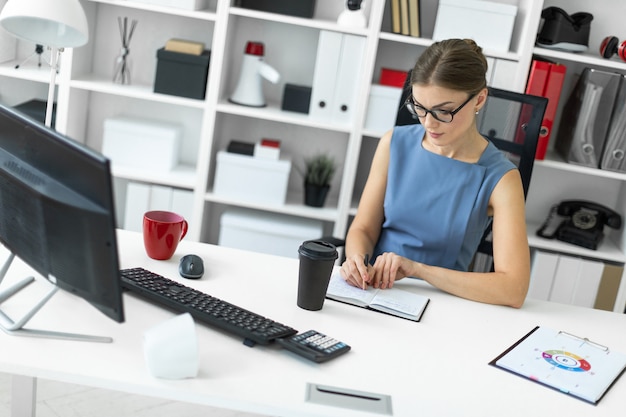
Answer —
444 116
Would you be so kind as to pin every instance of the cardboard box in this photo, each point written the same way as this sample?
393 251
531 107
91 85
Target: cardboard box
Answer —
141 143
180 74
271 233
489 24
251 179
382 107
179 4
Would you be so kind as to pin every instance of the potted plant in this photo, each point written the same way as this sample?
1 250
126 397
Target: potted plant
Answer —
318 173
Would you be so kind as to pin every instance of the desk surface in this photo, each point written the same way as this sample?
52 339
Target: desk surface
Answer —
438 366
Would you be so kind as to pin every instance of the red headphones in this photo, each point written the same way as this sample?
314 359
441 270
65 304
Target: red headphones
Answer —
610 46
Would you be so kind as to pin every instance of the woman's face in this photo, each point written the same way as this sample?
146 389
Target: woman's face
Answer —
443 101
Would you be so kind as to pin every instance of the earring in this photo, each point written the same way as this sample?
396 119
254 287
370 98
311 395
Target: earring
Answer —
476 111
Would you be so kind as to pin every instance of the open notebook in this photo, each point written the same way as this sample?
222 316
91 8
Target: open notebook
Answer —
393 301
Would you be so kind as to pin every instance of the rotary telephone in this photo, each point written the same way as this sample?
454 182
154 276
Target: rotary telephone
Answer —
579 222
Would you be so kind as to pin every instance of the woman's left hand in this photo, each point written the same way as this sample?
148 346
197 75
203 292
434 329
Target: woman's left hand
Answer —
389 268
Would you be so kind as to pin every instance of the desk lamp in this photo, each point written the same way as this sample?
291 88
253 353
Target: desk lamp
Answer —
57 24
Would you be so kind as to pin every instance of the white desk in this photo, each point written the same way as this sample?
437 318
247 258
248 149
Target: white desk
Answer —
438 366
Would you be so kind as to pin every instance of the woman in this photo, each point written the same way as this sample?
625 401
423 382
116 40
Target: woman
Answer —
434 187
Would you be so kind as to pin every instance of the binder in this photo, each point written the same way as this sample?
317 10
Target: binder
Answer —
546 80
614 153
568 363
137 203
182 203
544 266
587 283
586 116
395 16
160 197
325 74
565 277
414 18
336 76
346 83
609 287
404 17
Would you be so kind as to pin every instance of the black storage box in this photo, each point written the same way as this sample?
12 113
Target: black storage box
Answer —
296 98
299 8
181 74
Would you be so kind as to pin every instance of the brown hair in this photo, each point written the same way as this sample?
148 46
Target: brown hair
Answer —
457 64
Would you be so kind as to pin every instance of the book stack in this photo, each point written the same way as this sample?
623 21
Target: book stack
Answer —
405 17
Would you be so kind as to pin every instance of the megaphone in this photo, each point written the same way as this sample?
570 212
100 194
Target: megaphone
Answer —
249 90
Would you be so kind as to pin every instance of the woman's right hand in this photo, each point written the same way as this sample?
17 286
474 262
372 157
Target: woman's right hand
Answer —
355 271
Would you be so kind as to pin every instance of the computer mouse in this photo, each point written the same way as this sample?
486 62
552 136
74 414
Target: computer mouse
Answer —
191 267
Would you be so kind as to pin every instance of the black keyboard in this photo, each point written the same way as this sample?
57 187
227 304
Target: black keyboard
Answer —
253 327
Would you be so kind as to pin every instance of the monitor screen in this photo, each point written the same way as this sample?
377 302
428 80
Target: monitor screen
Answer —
57 210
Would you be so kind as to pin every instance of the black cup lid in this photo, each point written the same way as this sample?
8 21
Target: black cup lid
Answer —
318 249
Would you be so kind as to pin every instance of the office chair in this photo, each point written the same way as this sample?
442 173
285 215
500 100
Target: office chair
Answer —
512 121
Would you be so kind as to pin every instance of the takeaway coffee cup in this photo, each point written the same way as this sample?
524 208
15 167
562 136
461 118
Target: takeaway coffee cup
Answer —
317 259
162 230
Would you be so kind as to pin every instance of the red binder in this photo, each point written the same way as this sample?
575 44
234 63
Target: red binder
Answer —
546 80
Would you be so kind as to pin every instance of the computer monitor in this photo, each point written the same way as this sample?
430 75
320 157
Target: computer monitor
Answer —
57 214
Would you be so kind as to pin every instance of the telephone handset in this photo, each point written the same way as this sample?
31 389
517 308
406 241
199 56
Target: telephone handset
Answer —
579 222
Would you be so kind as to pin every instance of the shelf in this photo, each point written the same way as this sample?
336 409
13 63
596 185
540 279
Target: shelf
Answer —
274 113
195 14
554 161
608 251
28 72
182 176
293 206
583 58
412 40
143 92
297 21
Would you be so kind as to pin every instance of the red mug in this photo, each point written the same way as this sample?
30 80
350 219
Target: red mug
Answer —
162 230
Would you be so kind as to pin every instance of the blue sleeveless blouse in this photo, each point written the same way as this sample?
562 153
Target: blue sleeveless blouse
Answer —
436 207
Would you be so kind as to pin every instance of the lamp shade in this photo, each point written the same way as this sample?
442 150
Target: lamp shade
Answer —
54 23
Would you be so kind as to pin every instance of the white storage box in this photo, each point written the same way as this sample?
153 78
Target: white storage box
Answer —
489 24
179 4
141 143
264 232
382 107
252 179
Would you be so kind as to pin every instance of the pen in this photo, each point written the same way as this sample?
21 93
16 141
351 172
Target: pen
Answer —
366 261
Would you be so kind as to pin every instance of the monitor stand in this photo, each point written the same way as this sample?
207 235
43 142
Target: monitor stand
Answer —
16 327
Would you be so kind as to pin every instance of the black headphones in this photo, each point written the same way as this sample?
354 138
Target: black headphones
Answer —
611 46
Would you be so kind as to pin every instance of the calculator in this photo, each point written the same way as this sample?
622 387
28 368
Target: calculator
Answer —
314 346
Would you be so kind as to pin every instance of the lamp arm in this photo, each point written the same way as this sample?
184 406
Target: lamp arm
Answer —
55 56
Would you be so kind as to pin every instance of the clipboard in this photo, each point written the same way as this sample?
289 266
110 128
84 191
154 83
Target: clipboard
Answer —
571 364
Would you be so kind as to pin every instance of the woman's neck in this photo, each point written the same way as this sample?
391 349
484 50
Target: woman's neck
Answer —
468 149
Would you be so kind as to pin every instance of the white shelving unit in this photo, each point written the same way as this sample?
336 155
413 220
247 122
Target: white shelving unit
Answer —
87 96
553 178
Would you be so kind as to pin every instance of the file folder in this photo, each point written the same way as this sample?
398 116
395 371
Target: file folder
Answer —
325 74
346 83
336 76
613 156
586 116
546 80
